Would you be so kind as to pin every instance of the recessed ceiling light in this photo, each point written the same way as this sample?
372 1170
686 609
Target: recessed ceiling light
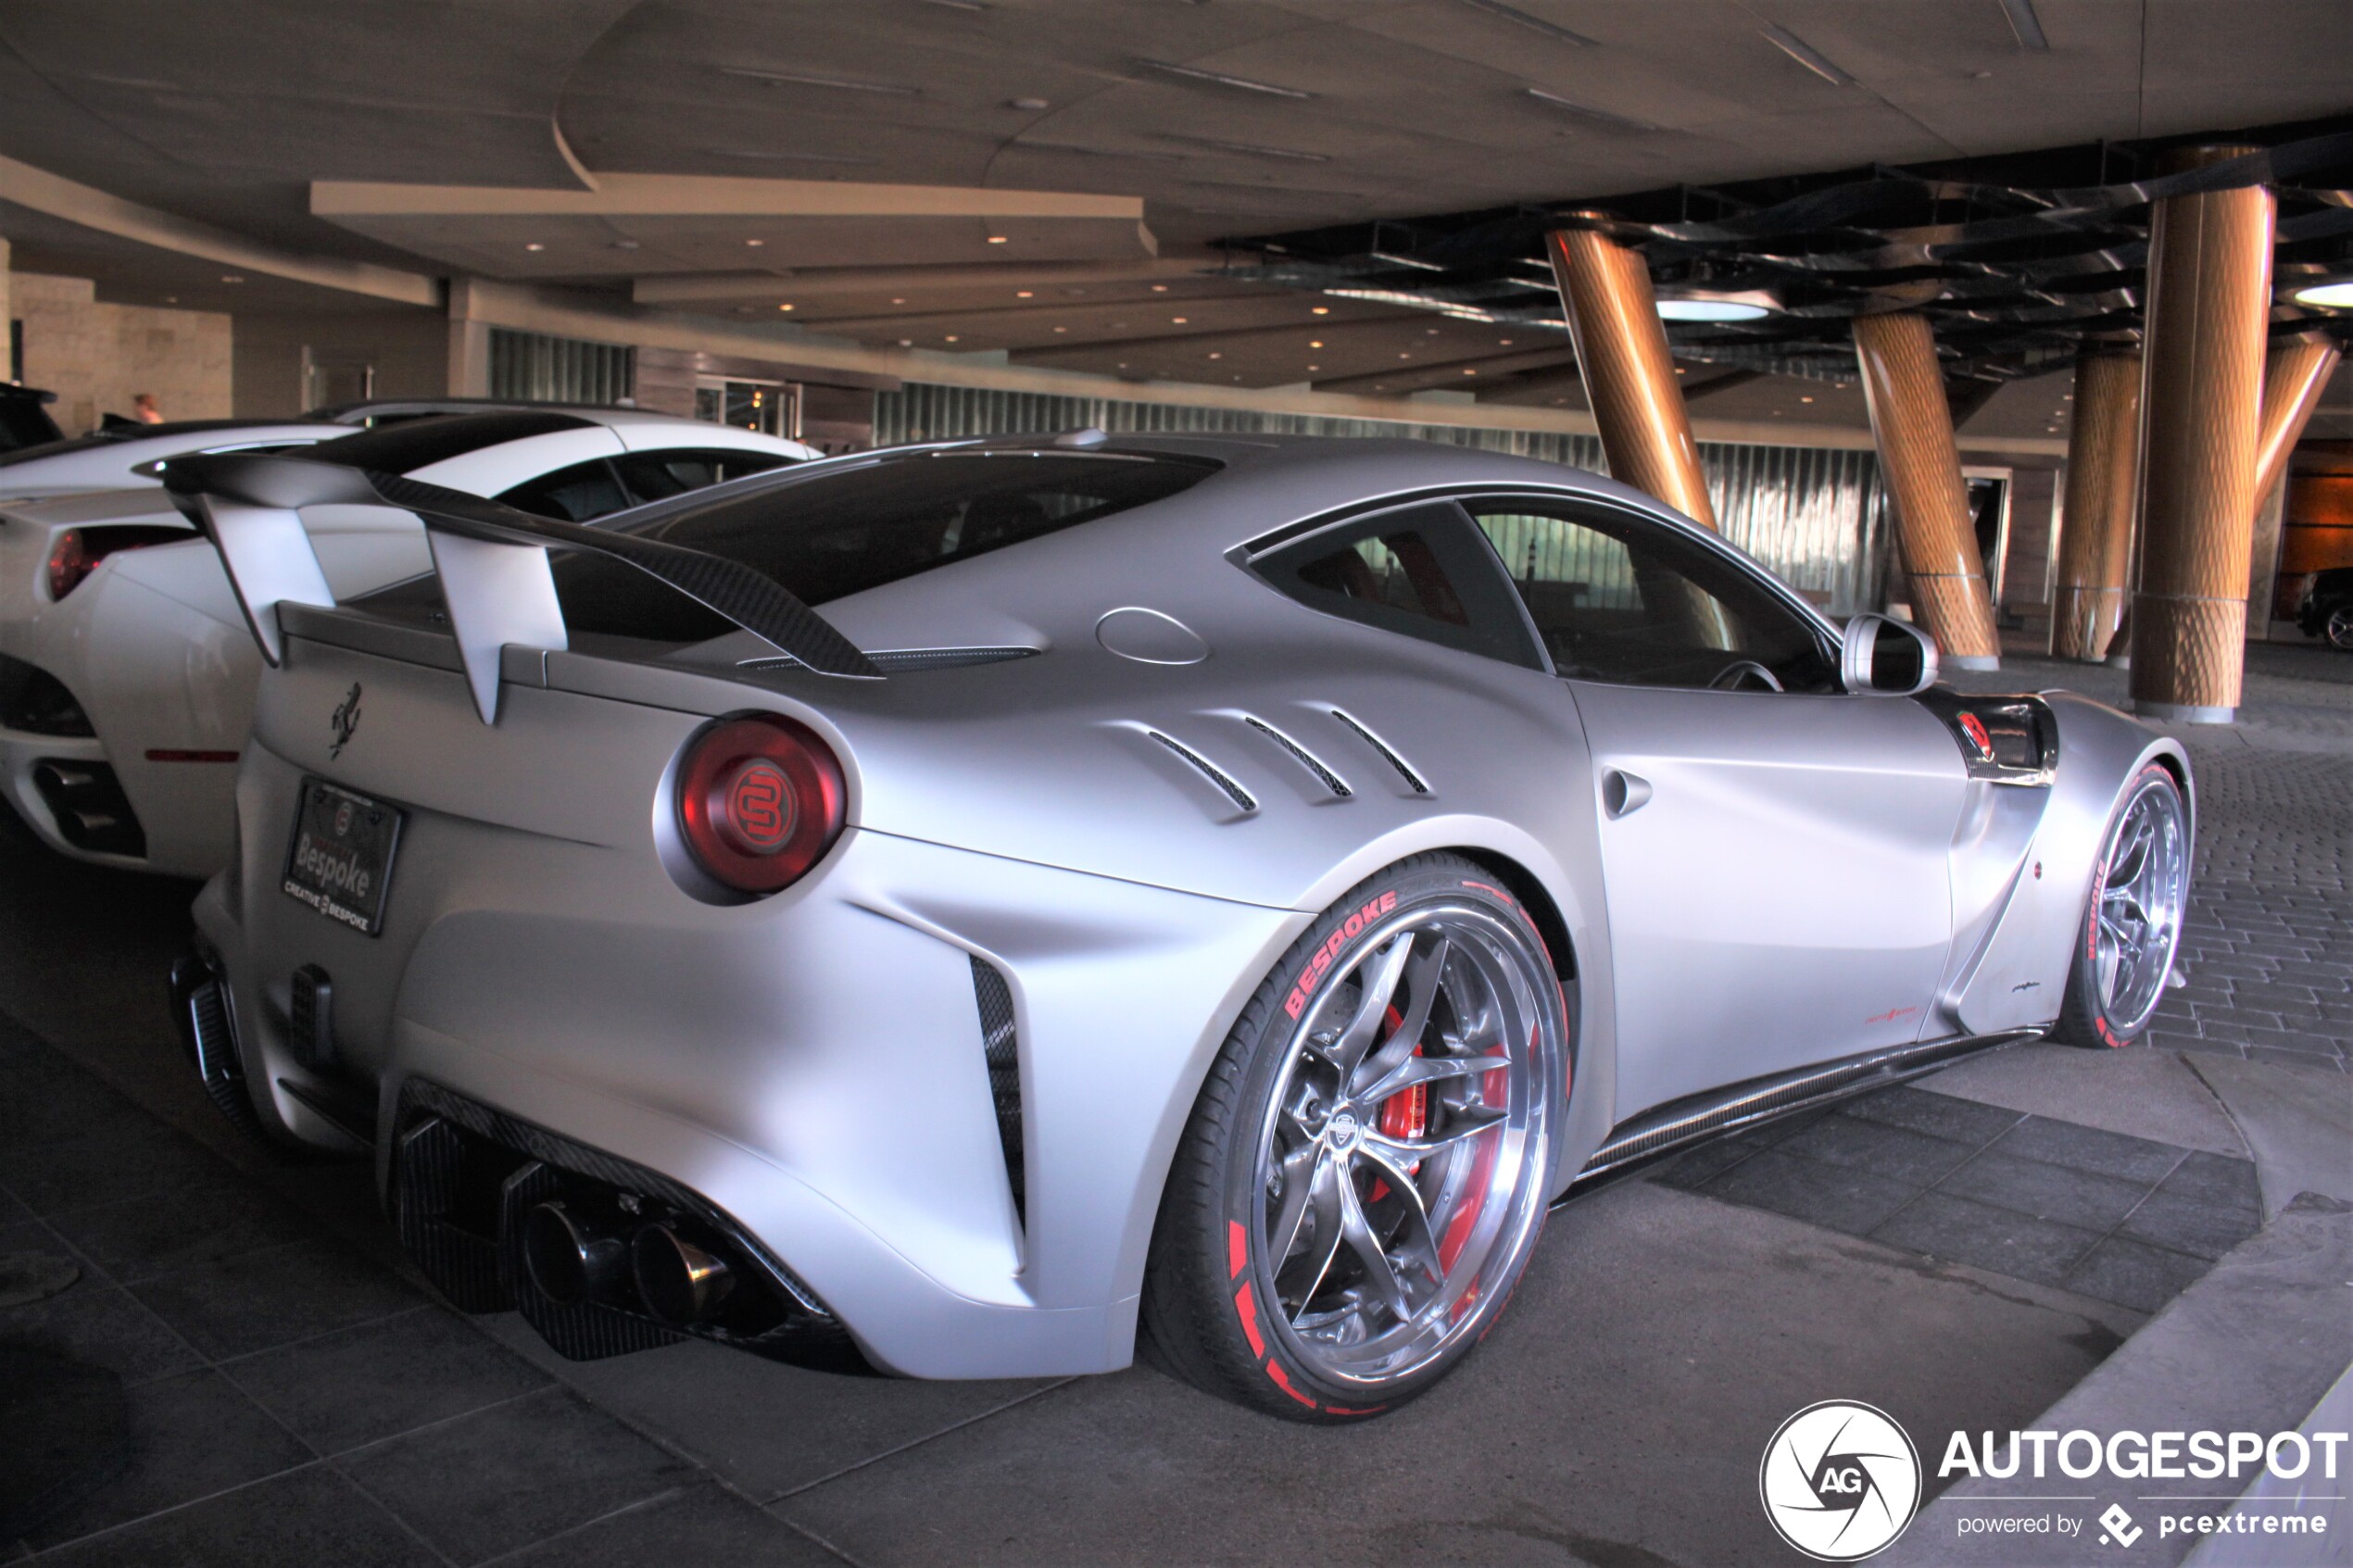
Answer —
1160 288
1468 371
784 308
906 342
1709 310
232 277
1319 310
1219 79
1804 54
1250 149
793 79
533 245
2336 293
1504 342
1429 331
1179 320
996 239
1586 111
1805 399
1024 294
1406 356
1215 355
1314 342
1518 17
951 337
1030 104
1315 367
2025 25
898 301
755 244
1061 329
171 299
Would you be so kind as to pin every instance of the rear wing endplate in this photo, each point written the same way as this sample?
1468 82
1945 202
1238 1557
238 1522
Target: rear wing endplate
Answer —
491 559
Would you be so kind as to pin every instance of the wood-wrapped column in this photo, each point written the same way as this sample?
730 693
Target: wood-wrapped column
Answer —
1628 374
2096 525
2201 392
1913 426
2296 372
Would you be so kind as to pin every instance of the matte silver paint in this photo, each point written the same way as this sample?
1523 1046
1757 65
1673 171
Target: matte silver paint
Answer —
1810 877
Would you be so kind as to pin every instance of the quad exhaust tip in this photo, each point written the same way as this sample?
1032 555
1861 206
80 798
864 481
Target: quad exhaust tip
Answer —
570 1260
679 1282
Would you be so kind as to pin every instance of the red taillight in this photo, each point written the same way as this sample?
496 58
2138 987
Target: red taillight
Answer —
759 802
77 553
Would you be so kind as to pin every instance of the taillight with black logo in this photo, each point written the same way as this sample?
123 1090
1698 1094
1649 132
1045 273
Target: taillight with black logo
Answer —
759 802
78 551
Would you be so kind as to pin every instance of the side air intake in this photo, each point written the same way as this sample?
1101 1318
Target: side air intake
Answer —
1300 755
1404 769
1001 1047
1225 781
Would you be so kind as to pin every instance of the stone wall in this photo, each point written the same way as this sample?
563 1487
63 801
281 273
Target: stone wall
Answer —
97 356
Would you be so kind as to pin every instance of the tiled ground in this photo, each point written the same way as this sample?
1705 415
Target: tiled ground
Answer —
2115 1218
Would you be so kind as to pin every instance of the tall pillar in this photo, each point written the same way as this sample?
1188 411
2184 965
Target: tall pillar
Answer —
8 318
2296 372
469 374
1630 376
2209 298
1903 388
2095 537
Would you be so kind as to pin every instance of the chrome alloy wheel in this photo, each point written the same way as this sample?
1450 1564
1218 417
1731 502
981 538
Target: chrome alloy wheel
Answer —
1402 1158
2139 901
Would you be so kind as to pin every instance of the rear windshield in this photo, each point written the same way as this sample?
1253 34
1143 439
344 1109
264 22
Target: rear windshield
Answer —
412 444
833 535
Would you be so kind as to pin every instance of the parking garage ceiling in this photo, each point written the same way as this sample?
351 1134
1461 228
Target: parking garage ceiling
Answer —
1062 180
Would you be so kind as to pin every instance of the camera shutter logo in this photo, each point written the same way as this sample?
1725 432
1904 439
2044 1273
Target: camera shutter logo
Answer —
1840 1481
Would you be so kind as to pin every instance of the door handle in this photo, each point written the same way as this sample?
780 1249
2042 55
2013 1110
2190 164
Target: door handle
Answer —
1624 793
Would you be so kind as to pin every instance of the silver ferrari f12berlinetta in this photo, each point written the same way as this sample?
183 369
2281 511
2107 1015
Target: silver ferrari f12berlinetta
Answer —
970 910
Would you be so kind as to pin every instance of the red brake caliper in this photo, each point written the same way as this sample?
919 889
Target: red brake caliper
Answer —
1405 1114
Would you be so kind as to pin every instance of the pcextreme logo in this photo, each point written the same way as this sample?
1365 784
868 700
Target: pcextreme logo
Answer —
1840 1481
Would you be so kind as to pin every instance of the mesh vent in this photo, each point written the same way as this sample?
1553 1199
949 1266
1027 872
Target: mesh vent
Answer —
899 660
1210 771
1404 769
1303 757
1002 1050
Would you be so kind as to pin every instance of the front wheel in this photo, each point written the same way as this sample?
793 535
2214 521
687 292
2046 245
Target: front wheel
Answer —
2133 921
1368 1161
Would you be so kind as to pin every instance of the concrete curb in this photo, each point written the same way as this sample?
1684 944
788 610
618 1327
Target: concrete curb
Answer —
2255 1345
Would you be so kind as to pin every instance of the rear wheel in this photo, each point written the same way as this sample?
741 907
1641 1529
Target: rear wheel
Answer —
2338 628
1368 1162
2133 922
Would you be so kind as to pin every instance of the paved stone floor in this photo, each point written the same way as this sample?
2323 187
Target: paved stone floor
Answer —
1960 1252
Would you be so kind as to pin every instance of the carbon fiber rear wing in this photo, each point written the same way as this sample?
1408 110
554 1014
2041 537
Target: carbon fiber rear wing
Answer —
491 558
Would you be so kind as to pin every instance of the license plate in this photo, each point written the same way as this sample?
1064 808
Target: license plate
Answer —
341 862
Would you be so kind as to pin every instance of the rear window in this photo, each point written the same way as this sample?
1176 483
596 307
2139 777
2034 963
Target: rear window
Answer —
412 444
835 534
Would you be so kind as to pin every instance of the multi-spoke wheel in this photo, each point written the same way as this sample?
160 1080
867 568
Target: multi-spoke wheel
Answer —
2133 922
1368 1162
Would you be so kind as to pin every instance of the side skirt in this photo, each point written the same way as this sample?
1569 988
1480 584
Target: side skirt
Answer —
1670 1128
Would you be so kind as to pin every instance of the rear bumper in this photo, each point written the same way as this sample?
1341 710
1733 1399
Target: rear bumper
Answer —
813 1069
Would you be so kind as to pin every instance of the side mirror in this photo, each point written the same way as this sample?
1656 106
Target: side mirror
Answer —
1885 656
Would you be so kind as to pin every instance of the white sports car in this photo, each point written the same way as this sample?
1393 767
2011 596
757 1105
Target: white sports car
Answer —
126 670
113 459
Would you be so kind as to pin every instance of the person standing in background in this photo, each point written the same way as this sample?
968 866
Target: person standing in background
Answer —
143 409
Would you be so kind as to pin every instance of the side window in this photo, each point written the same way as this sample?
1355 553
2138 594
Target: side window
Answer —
1618 598
1418 569
574 494
654 476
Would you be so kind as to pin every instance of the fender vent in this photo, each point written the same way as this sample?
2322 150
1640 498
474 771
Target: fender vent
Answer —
1404 770
1002 1048
1304 757
892 661
1210 771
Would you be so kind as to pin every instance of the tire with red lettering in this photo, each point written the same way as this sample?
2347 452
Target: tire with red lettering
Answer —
2133 920
1368 1161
